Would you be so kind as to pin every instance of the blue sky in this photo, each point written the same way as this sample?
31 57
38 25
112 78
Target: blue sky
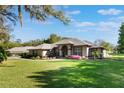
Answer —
88 23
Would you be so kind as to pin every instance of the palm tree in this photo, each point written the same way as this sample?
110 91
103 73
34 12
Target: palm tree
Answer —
7 15
38 12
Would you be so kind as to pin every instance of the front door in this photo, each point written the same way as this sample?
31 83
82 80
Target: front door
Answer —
64 51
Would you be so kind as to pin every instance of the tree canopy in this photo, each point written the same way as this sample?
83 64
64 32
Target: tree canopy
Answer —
38 12
121 39
54 38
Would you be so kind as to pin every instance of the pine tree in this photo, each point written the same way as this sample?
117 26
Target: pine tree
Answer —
121 39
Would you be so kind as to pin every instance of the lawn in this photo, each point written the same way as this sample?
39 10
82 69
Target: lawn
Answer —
67 73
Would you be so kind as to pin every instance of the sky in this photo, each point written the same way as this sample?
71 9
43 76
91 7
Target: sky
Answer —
87 23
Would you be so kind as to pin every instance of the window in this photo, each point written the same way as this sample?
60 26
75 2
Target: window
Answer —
34 52
77 50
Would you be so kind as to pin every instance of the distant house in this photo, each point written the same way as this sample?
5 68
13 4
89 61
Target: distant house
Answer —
63 48
19 50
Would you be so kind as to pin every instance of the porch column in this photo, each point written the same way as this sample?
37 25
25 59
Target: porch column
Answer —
69 50
83 55
87 51
60 51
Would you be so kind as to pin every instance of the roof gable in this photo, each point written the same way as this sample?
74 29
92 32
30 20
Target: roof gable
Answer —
45 46
74 41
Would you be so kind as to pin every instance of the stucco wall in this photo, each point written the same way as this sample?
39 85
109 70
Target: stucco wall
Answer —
44 53
39 52
105 54
85 51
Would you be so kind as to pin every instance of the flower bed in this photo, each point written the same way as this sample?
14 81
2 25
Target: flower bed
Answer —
74 57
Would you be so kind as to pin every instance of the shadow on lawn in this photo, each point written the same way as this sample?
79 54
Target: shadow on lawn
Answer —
7 65
97 74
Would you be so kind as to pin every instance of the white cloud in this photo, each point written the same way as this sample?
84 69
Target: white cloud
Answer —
111 11
83 24
73 12
78 30
117 19
66 6
107 26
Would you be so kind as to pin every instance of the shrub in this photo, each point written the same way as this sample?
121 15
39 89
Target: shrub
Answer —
3 55
74 57
38 57
33 58
96 54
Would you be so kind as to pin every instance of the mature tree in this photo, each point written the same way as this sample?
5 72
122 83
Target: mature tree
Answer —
4 33
121 39
54 38
38 12
7 15
18 40
10 44
33 42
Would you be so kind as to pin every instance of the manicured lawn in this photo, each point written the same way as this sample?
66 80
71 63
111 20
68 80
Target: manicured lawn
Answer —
118 55
67 73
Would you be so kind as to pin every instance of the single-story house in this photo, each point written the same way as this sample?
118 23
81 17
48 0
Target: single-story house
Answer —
73 46
62 48
19 50
68 46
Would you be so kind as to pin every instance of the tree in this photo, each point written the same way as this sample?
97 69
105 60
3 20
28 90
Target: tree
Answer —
3 55
4 35
7 15
54 38
10 44
33 42
38 12
18 41
121 39
95 54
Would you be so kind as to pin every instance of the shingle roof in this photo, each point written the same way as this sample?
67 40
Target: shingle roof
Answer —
20 49
73 41
97 47
44 46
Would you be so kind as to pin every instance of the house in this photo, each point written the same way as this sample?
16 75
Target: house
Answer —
63 48
68 46
72 46
19 50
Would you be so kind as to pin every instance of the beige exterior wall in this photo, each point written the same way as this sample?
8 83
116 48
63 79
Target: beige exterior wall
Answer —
105 54
44 53
39 52
85 51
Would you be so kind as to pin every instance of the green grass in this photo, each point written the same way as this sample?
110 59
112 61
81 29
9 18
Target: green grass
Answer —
118 55
68 73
